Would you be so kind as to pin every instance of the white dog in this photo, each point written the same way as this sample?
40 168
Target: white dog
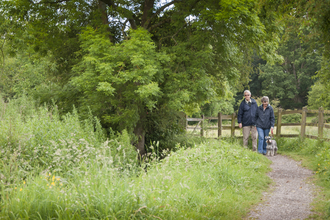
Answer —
271 146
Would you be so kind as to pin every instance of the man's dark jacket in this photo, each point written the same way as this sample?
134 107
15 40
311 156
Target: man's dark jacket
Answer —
265 119
246 113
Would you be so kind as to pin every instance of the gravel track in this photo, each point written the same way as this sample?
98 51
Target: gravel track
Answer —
292 194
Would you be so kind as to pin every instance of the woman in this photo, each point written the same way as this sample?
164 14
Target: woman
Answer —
265 121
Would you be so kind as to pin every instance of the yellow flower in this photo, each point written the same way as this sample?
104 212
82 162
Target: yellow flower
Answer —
58 179
48 174
15 187
53 184
53 178
50 187
20 189
24 182
47 184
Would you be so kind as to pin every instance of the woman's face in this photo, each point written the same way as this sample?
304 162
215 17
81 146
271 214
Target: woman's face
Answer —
265 103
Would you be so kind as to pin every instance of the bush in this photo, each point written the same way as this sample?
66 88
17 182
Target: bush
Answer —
291 118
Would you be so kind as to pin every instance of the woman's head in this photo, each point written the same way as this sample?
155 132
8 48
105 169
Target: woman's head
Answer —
265 100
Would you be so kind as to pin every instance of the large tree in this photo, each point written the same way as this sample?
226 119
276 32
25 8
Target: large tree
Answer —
126 58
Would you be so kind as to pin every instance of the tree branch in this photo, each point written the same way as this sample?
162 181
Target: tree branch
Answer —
147 10
55 2
159 23
146 24
172 36
126 13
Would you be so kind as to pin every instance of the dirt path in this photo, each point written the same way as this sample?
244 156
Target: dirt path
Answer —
292 194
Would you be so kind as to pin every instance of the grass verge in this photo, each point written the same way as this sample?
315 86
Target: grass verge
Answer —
215 180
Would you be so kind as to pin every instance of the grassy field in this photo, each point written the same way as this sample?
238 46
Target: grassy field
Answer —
66 168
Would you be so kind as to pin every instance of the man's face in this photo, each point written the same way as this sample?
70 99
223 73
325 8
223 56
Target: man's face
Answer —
247 96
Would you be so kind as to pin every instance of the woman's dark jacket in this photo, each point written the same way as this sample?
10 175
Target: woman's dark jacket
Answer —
265 119
246 113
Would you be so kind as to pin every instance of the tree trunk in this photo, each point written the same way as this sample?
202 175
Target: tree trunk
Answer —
104 16
147 11
140 133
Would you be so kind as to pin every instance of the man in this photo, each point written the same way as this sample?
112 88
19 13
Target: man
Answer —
246 119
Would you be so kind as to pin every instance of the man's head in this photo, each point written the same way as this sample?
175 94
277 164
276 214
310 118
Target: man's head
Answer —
247 95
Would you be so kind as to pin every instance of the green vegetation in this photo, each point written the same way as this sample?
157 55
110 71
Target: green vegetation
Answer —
66 169
90 86
291 118
315 154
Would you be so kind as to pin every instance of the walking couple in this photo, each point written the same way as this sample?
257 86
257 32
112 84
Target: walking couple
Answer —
257 120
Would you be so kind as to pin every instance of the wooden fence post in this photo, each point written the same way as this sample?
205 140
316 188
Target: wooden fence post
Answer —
202 126
303 122
279 122
233 125
219 124
321 123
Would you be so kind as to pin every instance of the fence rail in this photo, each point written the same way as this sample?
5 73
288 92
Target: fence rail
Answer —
278 114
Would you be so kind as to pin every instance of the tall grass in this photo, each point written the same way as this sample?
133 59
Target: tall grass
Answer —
215 180
35 139
65 168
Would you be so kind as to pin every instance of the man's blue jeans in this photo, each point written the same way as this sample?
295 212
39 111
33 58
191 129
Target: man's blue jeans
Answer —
262 133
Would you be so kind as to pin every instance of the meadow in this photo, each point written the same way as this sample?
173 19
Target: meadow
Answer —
56 167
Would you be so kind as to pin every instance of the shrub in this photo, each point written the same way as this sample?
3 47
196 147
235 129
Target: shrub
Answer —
291 118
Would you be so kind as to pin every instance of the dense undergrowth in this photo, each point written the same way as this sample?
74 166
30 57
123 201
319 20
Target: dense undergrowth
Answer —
316 156
64 168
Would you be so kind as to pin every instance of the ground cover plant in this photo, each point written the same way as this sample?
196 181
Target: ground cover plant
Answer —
67 169
214 180
315 154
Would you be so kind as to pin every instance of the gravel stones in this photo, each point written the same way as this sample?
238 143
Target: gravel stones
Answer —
292 193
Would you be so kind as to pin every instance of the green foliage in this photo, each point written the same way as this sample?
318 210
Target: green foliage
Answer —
291 118
177 57
206 181
319 95
291 80
37 140
111 76
315 97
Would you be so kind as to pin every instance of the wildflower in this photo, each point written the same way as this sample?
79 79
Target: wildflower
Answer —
20 189
50 187
15 187
24 182
53 183
53 178
58 179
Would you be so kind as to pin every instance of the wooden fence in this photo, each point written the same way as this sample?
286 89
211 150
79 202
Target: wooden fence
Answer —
278 115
